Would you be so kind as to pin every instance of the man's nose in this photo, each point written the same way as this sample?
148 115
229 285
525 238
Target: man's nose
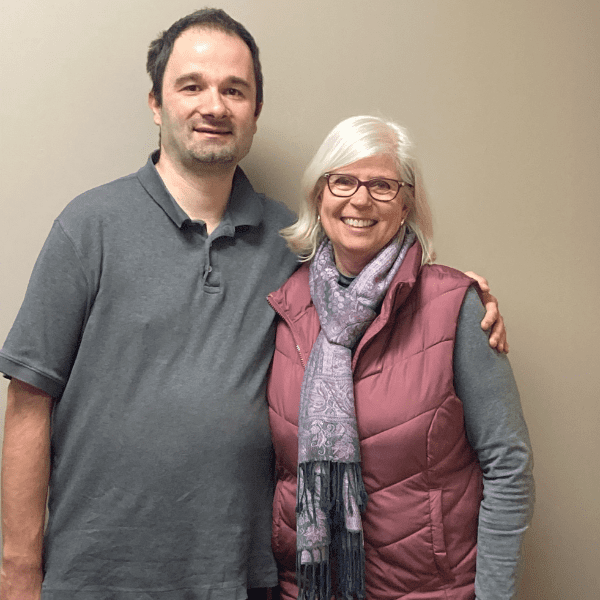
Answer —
213 104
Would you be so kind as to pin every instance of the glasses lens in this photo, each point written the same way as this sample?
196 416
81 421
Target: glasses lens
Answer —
383 189
343 185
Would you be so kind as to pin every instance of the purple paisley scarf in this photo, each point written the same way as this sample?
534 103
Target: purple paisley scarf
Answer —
331 494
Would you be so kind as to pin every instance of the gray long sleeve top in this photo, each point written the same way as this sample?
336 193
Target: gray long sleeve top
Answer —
497 432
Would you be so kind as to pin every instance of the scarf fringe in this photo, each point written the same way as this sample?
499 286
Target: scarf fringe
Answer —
321 491
314 580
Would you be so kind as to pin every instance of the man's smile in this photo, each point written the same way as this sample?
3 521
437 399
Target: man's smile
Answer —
212 130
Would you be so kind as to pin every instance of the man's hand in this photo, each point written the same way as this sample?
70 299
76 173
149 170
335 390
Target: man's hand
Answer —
492 317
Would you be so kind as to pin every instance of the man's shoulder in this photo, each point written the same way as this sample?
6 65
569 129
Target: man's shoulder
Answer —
277 212
248 206
116 199
108 193
116 185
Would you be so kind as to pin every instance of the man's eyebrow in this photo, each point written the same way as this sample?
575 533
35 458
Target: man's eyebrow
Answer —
239 81
233 80
188 77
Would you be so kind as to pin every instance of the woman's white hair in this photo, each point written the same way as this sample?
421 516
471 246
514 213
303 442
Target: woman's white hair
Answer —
351 140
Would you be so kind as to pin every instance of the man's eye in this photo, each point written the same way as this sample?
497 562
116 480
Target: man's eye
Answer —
233 92
191 88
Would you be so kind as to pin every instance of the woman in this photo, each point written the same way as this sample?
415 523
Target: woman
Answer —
403 459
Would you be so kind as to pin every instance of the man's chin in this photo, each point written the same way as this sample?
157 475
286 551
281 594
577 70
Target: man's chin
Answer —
215 158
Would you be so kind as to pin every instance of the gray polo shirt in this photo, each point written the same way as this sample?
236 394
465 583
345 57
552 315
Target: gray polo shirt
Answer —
156 339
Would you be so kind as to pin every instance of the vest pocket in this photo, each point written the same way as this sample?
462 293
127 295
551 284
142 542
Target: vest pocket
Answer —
437 533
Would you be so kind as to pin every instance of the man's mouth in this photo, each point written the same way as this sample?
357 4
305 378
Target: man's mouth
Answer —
358 222
212 130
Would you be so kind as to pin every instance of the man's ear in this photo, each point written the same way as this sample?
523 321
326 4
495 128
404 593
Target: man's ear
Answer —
155 108
258 110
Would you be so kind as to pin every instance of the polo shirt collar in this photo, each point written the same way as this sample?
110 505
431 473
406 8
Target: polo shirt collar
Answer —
244 208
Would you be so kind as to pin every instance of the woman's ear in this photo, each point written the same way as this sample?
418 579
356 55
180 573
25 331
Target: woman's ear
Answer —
318 202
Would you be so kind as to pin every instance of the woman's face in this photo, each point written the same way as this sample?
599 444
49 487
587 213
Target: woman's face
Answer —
359 226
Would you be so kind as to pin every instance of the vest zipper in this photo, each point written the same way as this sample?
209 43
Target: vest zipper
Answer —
300 356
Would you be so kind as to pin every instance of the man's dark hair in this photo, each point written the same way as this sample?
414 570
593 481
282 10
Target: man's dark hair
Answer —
206 18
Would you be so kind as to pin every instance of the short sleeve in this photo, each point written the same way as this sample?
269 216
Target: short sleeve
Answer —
43 341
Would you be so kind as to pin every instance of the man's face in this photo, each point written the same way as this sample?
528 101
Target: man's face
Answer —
207 118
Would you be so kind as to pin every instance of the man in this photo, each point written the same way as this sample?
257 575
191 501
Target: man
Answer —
139 357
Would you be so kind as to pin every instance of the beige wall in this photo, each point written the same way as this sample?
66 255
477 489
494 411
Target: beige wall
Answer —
503 99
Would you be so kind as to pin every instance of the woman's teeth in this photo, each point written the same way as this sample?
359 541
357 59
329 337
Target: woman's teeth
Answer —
358 222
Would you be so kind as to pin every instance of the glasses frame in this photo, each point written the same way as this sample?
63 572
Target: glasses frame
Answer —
400 183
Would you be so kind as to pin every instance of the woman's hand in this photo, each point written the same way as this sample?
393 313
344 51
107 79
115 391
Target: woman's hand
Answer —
492 317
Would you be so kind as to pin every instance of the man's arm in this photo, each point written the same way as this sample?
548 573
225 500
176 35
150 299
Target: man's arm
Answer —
25 474
492 317
497 431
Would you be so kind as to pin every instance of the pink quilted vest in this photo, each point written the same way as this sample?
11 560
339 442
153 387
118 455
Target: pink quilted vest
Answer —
421 475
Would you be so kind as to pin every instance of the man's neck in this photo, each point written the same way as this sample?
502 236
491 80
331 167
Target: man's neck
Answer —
203 194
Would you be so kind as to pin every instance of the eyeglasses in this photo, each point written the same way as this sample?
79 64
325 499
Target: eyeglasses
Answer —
380 188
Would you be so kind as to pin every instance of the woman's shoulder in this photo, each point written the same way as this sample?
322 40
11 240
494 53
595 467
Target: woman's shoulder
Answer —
443 271
441 278
294 295
298 280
